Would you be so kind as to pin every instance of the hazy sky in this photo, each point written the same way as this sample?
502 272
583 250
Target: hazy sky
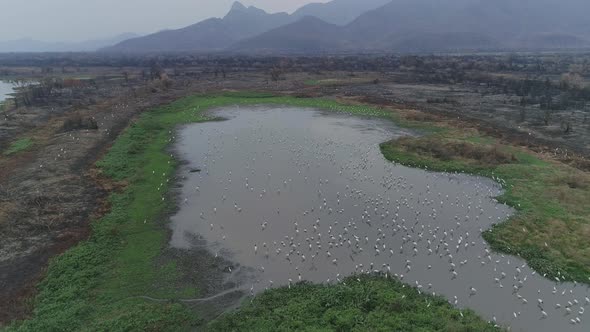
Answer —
69 20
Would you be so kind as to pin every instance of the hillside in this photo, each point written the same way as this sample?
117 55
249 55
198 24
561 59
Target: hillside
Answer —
213 34
308 35
443 26
339 12
469 24
398 26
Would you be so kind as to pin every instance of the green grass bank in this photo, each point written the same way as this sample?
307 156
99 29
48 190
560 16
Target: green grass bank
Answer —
18 146
552 225
364 303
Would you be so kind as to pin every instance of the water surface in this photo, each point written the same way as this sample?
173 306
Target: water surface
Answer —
5 90
299 194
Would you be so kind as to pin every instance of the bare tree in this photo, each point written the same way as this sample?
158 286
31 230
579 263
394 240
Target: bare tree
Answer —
547 116
275 74
566 126
155 70
523 104
572 81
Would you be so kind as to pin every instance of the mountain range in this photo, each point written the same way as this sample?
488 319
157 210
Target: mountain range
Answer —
214 34
402 26
439 26
242 23
443 25
383 26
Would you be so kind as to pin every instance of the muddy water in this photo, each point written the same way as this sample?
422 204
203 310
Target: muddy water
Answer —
5 90
294 194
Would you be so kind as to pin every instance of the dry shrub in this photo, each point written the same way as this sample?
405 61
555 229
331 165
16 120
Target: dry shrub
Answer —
578 162
444 100
166 82
307 94
39 201
448 150
5 209
376 100
77 122
574 180
419 116
74 83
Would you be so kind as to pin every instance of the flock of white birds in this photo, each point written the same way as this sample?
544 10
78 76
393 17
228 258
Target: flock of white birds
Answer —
296 195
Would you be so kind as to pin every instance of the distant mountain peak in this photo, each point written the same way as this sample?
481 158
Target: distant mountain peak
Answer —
238 10
237 6
212 34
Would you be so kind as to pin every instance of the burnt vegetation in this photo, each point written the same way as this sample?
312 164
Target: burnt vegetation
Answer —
550 92
546 93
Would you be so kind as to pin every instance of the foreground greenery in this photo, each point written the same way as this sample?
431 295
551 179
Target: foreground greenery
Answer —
368 303
98 284
18 146
552 225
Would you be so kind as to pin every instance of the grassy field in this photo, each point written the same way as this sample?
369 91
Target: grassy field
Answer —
97 284
18 146
368 303
552 226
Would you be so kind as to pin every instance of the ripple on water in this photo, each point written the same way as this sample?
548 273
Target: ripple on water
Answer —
297 194
5 90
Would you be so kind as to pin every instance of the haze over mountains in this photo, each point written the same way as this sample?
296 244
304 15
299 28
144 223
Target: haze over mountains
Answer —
384 26
373 26
339 12
439 25
443 25
31 45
